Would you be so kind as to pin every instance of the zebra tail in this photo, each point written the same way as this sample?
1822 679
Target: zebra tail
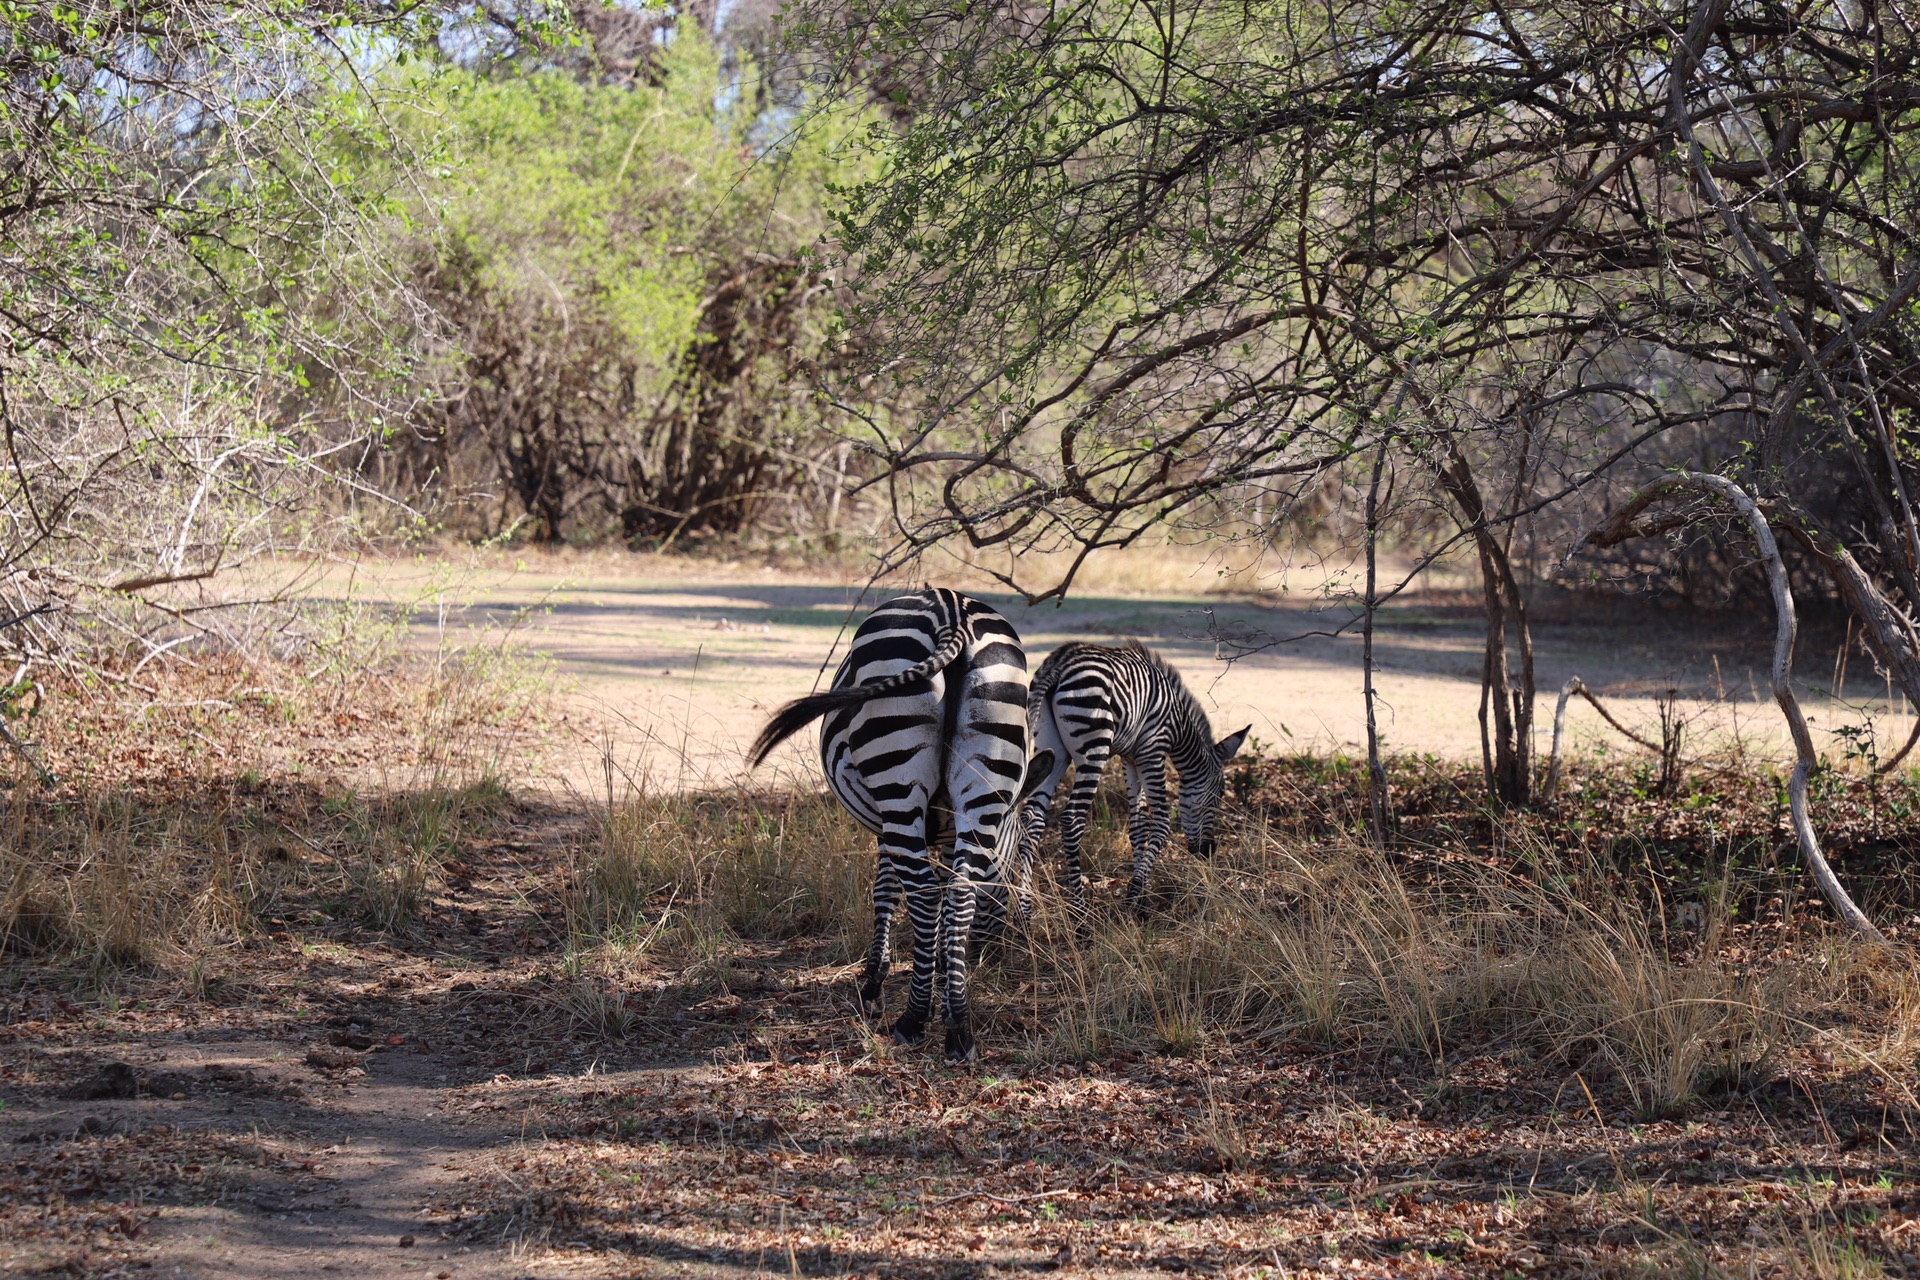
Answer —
801 712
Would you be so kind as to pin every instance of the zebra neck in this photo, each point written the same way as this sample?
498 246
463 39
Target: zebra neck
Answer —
1190 740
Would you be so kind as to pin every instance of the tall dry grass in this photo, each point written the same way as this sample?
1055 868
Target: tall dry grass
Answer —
1329 941
696 874
1335 943
109 884
195 803
753 866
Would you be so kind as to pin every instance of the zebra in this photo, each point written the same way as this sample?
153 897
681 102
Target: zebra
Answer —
1089 702
925 744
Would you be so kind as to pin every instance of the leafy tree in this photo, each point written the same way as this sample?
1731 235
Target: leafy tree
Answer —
179 363
623 263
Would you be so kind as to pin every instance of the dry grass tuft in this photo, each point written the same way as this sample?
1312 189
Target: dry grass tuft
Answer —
397 846
1336 944
274 781
751 866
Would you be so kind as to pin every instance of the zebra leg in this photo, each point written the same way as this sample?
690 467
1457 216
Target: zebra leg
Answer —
957 910
1033 829
922 884
1131 772
1150 822
1073 829
1034 810
886 898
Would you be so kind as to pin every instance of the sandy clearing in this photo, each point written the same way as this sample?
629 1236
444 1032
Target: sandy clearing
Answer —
669 667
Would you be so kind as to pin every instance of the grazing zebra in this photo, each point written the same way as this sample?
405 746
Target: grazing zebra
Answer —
925 743
1090 702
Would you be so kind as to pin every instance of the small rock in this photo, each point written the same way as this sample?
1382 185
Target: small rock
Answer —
331 1059
406 1242
351 1040
116 1080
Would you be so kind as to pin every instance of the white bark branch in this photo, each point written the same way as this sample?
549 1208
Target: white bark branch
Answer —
1567 690
1620 527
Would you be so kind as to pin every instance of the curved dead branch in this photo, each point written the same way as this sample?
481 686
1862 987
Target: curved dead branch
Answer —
1621 527
1888 766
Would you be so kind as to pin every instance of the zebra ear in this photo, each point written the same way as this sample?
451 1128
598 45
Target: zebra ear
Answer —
1038 770
1229 746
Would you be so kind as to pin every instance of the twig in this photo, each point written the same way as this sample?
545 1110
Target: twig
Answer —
988 1195
18 618
46 779
1579 686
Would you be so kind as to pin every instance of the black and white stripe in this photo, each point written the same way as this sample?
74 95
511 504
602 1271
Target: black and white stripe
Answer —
925 743
1092 702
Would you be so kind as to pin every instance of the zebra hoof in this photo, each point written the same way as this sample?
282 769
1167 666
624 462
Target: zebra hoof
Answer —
960 1046
909 1031
870 1002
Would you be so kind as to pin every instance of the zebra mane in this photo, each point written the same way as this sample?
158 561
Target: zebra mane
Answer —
1196 714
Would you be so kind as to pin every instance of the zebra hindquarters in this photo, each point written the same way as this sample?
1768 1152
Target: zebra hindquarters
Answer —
986 764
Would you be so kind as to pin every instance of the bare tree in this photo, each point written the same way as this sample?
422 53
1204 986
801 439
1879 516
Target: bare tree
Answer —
1121 267
1621 526
193 311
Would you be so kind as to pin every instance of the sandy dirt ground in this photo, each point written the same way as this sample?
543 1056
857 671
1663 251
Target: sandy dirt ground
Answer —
669 667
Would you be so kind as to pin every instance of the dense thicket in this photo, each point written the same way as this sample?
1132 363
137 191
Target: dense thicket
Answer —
180 361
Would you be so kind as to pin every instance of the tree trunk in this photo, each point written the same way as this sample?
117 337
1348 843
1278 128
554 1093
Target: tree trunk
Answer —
1506 745
1376 772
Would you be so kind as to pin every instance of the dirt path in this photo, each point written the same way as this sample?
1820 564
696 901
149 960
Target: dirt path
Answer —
301 1120
341 1171
670 667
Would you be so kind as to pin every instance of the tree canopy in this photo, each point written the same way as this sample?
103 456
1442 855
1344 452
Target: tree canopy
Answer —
1187 249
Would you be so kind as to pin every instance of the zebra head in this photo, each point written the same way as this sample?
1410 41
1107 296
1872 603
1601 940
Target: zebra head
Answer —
1203 785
